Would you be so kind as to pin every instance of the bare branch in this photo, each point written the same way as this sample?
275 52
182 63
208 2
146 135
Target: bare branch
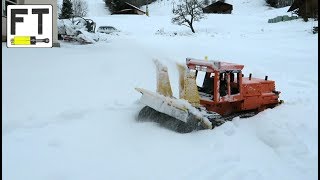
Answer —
187 13
80 8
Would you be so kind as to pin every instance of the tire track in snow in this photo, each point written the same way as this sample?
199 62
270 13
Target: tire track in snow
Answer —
64 116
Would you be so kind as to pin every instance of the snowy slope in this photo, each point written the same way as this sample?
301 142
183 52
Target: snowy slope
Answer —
95 8
245 7
69 112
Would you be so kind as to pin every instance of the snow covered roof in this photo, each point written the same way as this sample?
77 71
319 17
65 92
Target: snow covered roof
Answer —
135 7
129 9
211 66
218 4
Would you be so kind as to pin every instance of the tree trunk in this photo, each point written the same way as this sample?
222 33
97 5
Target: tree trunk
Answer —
192 28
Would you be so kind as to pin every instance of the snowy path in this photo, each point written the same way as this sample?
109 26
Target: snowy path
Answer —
97 8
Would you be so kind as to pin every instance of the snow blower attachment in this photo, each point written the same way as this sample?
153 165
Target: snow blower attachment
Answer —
223 94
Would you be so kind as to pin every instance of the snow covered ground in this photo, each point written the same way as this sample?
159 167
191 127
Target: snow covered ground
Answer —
97 8
69 112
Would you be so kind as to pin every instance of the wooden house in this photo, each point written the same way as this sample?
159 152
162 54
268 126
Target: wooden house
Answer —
219 8
129 9
305 8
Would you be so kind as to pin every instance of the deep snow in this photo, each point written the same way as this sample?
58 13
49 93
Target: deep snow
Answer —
69 112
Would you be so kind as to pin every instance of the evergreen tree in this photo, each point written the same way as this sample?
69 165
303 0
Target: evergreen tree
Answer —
66 11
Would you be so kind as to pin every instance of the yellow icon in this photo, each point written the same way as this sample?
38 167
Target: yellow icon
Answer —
27 40
206 58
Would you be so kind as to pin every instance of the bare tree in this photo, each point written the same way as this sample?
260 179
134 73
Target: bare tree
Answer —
80 8
187 13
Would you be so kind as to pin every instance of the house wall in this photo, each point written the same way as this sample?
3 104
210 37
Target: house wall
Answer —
309 9
129 11
306 8
4 29
312 8
223 9
227 11
3 6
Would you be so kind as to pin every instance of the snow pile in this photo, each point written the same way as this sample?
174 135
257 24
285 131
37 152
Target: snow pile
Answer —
70 26
174 33
76 28
88 37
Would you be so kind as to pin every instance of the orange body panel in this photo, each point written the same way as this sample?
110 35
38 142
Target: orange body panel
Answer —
251 94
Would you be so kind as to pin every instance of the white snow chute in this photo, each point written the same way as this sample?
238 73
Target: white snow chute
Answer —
183 109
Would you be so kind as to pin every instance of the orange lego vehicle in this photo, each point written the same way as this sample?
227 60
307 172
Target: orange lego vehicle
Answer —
226 91
206 101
